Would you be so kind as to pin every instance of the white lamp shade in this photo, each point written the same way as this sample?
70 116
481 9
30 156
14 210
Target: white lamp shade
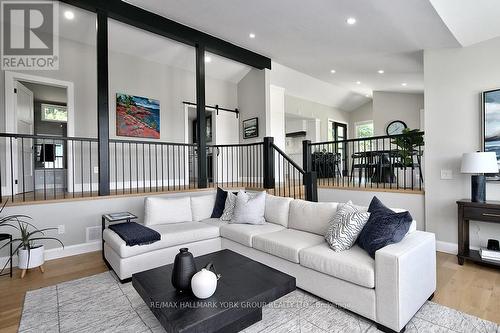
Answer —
480 162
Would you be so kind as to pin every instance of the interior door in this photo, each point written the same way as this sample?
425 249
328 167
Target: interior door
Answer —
25 123
340 134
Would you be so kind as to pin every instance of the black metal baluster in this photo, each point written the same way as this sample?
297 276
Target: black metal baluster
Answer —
73 165
22 167
130 167
184 164
90 166
156 166
168 167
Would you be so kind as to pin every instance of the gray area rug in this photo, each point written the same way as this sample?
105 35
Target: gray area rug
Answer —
101 304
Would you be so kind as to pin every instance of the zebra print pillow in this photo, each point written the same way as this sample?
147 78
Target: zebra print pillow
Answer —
345 227
229 207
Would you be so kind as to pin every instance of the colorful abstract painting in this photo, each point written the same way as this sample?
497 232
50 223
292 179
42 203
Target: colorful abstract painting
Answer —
137 116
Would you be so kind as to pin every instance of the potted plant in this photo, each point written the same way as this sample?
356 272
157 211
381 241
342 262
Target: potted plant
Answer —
409 152
27 246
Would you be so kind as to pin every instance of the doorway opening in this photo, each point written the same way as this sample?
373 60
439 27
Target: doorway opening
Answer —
40 109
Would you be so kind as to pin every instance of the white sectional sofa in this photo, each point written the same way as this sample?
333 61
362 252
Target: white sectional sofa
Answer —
388 290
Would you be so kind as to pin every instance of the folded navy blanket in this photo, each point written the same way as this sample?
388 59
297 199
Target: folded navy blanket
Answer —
135 234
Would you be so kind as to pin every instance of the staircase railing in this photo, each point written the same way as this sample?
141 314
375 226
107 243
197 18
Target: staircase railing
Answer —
382 162
285 177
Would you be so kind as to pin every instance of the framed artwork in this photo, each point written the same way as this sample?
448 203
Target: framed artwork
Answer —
137 116
251 128
491 125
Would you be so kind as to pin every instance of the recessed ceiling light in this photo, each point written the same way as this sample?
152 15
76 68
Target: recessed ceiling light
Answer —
351 21
381 71
208 59
367 95
404 84
333 71
69 15
358 82
251 35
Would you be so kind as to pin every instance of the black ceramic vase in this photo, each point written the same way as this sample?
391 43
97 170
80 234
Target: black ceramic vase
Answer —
183 270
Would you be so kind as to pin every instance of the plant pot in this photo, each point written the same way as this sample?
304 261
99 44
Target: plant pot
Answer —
36 257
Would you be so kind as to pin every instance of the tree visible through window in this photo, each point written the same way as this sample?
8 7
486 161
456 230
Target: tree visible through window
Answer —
364 130
54 113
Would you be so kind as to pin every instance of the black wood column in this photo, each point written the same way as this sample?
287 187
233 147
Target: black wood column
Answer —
102 103
201 127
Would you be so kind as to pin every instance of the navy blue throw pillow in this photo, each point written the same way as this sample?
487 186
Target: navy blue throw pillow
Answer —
384 227
220 202
376 206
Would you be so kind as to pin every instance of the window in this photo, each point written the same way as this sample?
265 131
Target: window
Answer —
364 129
57 113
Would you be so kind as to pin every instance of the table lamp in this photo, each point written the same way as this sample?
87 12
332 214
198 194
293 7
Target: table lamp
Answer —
478 164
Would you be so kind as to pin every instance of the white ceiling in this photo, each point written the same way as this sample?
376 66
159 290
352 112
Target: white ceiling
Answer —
150 47
470 21
313 37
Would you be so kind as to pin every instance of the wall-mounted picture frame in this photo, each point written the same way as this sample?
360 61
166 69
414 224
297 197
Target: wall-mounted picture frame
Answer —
251 128
491 126
137 116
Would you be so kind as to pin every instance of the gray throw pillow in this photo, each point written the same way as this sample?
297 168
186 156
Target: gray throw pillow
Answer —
249 209
227 214
345 227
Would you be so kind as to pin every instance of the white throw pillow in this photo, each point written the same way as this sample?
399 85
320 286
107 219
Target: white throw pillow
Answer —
227 214
277 209
202 206
345 227
167 210
249 209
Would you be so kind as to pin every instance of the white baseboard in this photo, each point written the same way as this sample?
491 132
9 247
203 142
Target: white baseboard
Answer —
446 247
60 252
451 248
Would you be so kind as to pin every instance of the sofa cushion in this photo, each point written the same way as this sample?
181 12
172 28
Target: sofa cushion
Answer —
286 243
277 209
202 206
353 265
249 209
244 233
172 234
159 210
214 222
311 216
220 202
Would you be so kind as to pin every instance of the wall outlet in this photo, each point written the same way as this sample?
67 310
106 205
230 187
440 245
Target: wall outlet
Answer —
61 229
96 169
446 174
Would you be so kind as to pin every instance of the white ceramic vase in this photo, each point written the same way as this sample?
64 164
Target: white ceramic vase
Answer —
204 283
36 257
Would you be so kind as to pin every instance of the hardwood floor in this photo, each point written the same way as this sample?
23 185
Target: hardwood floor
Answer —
470 288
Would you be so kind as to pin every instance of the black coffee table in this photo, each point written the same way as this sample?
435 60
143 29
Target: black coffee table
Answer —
245 286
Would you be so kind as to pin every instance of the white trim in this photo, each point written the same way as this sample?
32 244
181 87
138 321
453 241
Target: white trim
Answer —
60 252
11 117
446 247
451 248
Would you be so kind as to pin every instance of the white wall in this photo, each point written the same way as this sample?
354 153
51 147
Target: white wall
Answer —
303 108
363 113
454 79
389 106
253 101
49 215
414 203
276 115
